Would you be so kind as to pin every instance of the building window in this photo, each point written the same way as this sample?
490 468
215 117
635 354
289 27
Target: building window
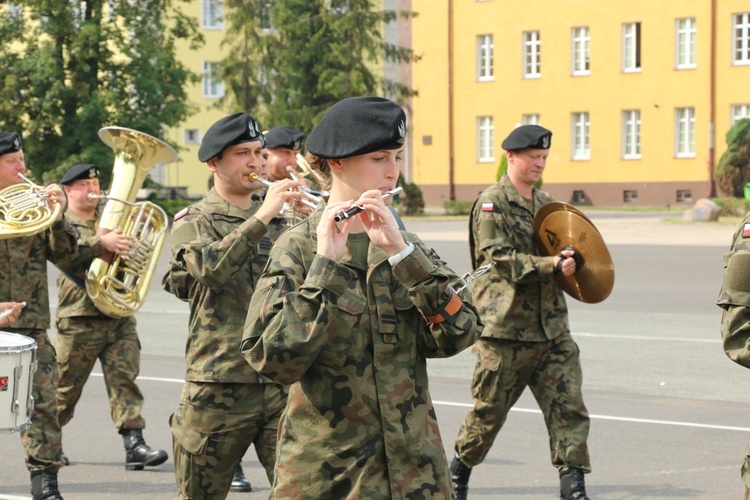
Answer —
192 136
581 43
531 119
580 133
532 55
684 195
686 36
685 132
265 18
14 11
212 13
741 38
485 139
630 196
631 134
631 47
579 196
485 53
740 111
213 87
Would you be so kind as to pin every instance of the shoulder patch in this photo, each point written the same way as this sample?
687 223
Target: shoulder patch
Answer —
746 230
488 207
182 213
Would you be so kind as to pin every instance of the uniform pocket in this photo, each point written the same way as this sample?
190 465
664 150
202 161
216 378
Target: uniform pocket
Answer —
486 382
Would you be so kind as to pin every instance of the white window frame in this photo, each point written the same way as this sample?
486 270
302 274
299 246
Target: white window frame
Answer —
212 89
485 58
631 47
198 135
485 139
685 132
581 47
739 112
631 134
531 119
212 12
580 148
532 54
685 43
14 10
741 38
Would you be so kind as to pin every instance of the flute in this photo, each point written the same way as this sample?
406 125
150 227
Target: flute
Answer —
345 214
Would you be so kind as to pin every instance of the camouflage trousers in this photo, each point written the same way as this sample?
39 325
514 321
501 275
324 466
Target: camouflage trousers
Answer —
745 472
552 370
114 342
213 428
42 441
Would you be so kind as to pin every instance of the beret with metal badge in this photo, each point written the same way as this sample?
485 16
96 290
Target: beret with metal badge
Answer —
528 137
230 130
80 171
10 142
284 137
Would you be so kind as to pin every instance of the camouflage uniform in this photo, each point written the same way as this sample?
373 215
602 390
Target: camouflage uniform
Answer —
23 278
84 334
734 299
352 339
526 340
218 254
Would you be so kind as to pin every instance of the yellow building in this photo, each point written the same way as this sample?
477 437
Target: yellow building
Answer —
639 94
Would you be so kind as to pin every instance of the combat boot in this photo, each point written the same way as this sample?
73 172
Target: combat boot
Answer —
44 485
572 485
137 453
239 481
460 477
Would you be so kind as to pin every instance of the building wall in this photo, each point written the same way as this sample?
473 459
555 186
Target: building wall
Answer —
657 90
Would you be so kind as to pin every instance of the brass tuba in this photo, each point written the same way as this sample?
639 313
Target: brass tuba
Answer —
24 210
118 284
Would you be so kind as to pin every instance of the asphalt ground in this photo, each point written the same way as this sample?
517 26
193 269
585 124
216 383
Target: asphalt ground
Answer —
670 413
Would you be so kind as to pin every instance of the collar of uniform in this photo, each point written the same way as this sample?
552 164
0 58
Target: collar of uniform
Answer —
515 197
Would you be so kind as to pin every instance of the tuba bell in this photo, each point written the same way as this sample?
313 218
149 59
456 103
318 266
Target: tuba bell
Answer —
24 210
118 284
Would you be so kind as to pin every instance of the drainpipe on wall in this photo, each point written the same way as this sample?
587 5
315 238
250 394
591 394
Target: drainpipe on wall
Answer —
712 105
451 180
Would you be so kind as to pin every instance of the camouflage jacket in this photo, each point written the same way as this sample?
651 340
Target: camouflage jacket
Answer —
71 290
218 254
353 340
734 297
23 270
518 299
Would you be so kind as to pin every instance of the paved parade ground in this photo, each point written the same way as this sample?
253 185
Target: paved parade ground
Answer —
670 412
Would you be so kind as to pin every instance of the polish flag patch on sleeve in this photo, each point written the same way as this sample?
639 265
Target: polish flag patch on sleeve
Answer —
746 230
488 207
179 215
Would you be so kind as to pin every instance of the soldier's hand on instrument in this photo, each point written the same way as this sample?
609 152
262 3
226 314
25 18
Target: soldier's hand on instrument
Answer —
278 193
9 312
115 241
379 222
331 234
55 194
564 263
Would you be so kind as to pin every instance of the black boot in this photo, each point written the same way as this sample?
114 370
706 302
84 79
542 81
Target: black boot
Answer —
239 481
138 453
44 485
64 457
460 477
572 485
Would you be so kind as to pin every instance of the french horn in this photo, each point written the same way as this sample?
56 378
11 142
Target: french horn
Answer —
24 210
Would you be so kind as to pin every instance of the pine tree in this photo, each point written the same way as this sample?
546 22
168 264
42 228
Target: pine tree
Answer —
69 68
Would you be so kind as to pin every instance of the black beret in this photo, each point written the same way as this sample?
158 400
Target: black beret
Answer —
230 130
80 171
10 142
356 126
528 137
284 137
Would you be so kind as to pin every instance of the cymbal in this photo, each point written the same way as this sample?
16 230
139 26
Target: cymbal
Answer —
558 225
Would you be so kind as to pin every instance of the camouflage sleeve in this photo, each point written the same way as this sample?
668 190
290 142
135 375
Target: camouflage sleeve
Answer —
62 244
496 237
202 254
294 314
429 281
734 299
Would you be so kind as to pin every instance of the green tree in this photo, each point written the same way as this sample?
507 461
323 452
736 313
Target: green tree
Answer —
733 170
67 68
305 55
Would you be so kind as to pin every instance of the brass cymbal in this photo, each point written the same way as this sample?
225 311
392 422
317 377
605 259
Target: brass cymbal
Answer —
558 225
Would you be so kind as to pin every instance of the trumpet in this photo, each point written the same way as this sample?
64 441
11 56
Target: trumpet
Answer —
24 210
308 192
307 170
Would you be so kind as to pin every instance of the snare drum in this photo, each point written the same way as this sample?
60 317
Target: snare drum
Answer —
17 367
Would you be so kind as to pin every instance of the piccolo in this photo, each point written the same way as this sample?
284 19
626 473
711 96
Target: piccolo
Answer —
345 214
255 177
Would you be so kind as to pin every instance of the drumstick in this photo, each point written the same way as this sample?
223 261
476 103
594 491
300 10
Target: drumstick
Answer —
9 312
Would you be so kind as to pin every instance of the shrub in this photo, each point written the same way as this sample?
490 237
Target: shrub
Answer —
457 207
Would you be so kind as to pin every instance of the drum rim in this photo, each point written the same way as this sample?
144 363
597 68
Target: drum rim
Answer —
27 343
